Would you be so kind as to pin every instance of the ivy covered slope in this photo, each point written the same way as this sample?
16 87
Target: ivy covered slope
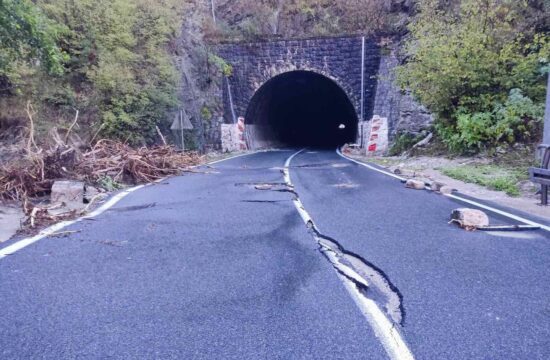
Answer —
480 66
111 60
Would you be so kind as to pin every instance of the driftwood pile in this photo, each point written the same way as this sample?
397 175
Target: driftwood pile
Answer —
34 174
125 164
34 170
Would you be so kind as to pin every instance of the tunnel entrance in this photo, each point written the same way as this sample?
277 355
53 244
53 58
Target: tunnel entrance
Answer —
301 108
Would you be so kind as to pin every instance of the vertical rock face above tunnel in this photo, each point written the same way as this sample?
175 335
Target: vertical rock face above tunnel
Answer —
338 59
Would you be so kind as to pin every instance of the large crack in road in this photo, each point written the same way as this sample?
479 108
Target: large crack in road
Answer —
378 298
370 280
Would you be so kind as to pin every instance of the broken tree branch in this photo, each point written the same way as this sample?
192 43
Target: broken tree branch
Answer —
424 141
30 113
161 136
421 143
71 127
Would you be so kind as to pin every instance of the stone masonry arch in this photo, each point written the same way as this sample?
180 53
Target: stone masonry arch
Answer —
351 62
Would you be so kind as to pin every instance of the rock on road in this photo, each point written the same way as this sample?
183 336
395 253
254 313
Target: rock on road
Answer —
220 265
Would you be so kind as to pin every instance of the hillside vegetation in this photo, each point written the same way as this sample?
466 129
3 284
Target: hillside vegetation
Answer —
128 65
480 66
111 60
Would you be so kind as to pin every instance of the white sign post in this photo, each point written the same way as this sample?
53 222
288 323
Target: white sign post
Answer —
181 122
546 132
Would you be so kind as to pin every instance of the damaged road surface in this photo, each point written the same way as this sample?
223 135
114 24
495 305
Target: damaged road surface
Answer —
210 266
452 294
277 255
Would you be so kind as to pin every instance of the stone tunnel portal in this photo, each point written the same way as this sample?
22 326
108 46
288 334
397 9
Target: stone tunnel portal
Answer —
301 108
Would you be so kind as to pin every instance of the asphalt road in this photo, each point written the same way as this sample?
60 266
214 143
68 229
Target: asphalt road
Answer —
220 265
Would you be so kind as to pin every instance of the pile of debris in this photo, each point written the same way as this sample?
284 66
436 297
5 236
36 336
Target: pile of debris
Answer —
34 171
125 164
34 174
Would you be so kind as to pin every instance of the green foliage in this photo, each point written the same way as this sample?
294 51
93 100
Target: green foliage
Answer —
223 66
490 176
109 184
464 63
403 142
206 114
190 138
119 48
27 36
117 67
518 119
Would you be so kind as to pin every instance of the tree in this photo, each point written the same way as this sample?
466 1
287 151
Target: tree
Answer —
463 63
26 35
120 69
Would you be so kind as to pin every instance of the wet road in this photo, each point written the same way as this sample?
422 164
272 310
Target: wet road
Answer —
221 265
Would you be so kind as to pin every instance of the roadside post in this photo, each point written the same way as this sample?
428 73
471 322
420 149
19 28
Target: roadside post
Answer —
546 132
181 122
541 175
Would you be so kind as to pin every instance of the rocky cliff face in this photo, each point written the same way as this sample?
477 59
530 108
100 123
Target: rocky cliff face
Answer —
404 114
201 82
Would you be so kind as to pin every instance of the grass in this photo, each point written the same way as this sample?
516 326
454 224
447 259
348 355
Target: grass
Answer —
383 161
109 184
491 176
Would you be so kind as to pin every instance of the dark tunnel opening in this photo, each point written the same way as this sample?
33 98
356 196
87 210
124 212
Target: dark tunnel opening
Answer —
301 108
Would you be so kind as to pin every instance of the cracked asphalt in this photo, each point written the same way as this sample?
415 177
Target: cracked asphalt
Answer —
216 265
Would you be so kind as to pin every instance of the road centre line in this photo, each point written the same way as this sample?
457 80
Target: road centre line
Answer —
385 330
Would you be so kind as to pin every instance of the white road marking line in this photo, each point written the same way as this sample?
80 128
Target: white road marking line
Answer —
500 212
28 241
111 202
384 329
456 197
229 158
11 249
370 166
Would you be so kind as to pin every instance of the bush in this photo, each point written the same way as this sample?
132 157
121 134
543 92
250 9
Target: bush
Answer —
27 36
517 120
116 67
480 67
223 66
403 142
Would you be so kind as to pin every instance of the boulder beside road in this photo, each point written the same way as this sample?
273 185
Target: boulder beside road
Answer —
69 193
415 184
469 219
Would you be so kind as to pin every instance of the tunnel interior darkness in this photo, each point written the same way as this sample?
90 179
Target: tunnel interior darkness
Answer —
301 108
